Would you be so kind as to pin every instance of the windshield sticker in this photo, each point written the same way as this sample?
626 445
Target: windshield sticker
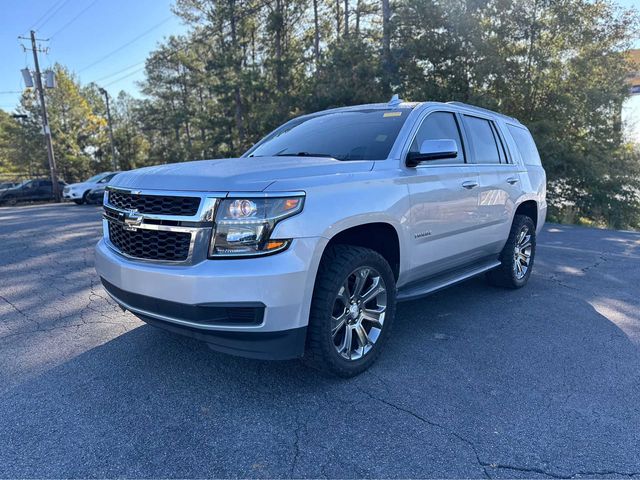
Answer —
381 138
392 114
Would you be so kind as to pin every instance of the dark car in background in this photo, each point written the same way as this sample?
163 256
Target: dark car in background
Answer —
7 185
30 191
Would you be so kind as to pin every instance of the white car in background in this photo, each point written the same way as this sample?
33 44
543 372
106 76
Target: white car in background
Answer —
78 192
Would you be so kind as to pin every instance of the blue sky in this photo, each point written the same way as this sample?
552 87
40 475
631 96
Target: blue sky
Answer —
101 27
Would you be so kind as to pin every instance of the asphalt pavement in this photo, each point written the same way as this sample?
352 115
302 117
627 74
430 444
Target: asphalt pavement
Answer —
475 382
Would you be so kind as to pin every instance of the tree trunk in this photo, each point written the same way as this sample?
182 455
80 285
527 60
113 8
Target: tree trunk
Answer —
338 16
237 67
358 18
386 46
346 18
278 40
316 33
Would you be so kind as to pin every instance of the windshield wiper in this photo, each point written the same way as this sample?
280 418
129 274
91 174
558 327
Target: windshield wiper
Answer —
303 154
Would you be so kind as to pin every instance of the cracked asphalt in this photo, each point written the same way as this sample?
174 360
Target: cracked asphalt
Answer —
475 382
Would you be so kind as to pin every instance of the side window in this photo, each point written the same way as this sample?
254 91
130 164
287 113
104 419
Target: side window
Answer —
107 178
501 148
486 146
439 126
525 145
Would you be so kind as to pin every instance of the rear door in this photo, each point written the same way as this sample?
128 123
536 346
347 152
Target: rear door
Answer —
43 192
499 178
444 201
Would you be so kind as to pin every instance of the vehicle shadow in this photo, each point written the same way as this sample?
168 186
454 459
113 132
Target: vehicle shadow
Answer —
475 380
461 386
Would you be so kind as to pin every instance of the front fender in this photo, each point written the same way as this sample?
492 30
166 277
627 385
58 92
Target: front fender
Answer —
334 208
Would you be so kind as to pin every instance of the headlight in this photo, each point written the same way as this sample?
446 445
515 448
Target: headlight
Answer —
243 225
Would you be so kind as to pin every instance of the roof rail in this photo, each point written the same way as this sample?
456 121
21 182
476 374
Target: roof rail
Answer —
480 109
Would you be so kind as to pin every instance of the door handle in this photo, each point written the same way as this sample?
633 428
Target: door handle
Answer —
469 185
512 180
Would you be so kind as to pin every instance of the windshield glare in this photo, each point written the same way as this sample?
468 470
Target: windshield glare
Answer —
348 135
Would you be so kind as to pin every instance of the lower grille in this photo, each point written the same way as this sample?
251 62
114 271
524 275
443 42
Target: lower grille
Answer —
203 314
150 244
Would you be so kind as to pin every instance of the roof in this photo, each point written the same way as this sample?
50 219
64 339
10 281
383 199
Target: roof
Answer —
397 103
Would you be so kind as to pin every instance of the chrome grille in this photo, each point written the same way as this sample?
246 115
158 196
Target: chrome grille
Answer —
164 226
155 204
150 244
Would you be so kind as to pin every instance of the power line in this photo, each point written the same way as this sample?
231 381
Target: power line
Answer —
124 76
113 52
118 71
47 12
74 18
53 14
244 14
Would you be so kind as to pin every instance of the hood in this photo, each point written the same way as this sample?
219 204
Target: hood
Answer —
246 174
73 186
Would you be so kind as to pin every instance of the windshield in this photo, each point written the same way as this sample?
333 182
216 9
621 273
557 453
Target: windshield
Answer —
95 178
347 135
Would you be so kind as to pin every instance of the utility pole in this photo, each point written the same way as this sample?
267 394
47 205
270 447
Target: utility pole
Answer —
45 121
113 150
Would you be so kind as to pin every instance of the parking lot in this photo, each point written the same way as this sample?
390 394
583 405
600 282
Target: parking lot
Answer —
475 382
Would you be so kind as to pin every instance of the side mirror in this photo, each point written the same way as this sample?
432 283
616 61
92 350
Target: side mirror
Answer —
433 150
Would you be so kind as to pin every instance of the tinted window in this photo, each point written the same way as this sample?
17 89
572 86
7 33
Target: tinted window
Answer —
353 135
525 145
483 140
501 150
107 178
439 126
95 178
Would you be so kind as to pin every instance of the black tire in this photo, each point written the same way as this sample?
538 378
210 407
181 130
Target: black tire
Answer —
78 202
506 275
10 201
338 263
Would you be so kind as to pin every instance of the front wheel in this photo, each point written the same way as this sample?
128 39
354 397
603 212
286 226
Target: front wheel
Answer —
352 310
517 255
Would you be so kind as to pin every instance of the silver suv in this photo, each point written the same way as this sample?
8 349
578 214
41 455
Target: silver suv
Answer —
304 245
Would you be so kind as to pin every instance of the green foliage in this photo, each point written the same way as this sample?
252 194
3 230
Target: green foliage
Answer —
246 66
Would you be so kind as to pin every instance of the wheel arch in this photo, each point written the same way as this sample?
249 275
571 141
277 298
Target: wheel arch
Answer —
382 237
530 209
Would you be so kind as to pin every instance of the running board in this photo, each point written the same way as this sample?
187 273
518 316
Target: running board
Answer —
444 280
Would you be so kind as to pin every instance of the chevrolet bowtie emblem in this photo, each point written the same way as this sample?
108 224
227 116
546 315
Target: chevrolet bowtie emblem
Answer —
132 220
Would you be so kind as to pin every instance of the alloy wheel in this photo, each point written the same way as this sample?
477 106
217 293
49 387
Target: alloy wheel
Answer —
358 313
522 254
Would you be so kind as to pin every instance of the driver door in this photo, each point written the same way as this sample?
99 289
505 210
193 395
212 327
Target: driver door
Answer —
444 202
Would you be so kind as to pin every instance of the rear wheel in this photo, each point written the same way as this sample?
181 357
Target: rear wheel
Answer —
352 310
517 255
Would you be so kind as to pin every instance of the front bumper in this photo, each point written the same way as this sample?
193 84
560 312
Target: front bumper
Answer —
175 297
71 195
